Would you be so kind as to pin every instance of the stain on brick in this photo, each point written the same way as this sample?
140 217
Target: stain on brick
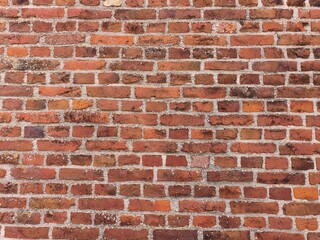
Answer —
36 65
33 132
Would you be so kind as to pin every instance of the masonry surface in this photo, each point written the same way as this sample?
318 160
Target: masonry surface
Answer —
160 119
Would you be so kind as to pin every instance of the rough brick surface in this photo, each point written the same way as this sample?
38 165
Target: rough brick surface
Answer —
160 119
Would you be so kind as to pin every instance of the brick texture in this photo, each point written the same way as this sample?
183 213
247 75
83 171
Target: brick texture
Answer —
160 119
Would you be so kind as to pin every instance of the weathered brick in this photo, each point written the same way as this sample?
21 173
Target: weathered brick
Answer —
159 119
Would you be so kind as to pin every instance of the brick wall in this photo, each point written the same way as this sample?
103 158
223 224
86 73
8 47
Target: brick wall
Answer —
160 119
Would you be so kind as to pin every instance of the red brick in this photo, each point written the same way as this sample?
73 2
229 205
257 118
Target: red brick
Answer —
156 40
274 66
88 14
22 232
79 233
275 235
130 175
254 207
232 235
101 204
33 173
281 178
80 174
126 233
51 203
247 40
225 14
84 65
174 234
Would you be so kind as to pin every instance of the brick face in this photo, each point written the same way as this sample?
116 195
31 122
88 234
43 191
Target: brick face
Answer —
160 119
